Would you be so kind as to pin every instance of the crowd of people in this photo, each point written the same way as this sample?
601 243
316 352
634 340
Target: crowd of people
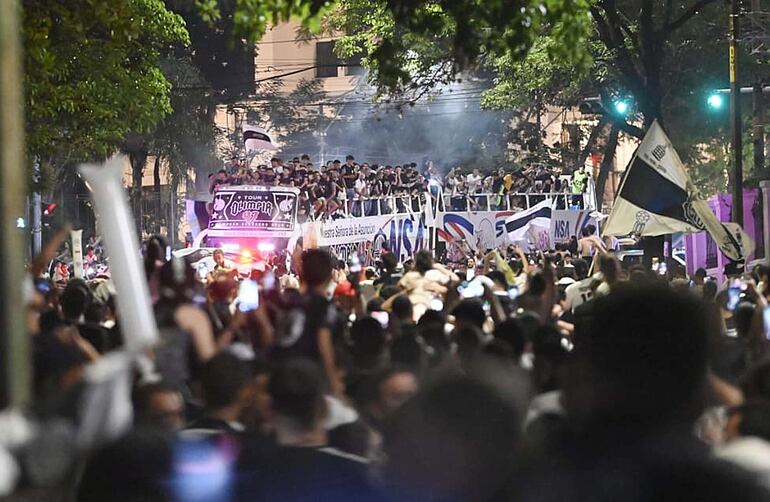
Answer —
506 376
95 262
339 189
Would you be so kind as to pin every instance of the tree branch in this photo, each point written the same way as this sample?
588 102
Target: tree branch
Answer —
616 121
630 129
606 165
686 16
612 36
595 133
668 12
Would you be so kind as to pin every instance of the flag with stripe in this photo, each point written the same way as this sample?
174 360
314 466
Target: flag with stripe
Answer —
657 197
538 216
256 138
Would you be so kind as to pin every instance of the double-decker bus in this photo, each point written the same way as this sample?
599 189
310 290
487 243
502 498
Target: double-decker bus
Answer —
251 218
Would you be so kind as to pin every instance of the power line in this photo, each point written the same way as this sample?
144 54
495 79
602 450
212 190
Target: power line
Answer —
252 83
367 102
296 41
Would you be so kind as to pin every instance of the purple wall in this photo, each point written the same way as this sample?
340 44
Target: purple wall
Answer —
703 252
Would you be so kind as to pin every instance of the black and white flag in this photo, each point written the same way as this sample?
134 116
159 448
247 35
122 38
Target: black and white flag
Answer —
658 197
255 138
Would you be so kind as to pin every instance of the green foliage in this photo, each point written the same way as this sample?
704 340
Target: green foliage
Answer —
92 75
666 62
288 113
539 77
413 44
252 17
186 137
292 118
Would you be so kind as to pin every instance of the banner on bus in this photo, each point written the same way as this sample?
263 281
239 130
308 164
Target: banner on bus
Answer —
256 209
480 229
402 234
487 229
568 224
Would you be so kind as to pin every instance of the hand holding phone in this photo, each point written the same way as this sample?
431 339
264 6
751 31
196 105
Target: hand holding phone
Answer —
248 296
734 293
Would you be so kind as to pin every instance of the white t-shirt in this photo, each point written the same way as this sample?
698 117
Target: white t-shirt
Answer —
360 187
437 276
473 182
580 292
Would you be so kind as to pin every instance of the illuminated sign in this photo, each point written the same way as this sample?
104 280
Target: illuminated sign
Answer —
263 211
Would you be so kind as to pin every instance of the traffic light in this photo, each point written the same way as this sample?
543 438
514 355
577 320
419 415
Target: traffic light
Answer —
715 101
591 106
49 209
621 106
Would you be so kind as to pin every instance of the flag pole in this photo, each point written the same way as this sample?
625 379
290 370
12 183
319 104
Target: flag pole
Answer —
735 115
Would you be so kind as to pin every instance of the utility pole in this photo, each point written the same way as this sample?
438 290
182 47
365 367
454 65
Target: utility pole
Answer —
758 115
14 340
735 114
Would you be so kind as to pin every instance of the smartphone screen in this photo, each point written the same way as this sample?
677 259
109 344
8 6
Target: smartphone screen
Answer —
733 297
203 271
268 280
248 296
354 265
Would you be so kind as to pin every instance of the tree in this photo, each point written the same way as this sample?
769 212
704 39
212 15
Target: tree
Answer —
92 74
411 44
186 138
540 82
292 117
664 58
225 61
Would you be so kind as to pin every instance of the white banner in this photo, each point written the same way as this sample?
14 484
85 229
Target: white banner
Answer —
566 224
403 234
77 252
480 229
531 228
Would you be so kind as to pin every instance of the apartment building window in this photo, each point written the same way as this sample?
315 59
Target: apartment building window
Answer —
326 60
354 65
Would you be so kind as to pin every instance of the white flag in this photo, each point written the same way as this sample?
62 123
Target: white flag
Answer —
538 216
256 138
658 197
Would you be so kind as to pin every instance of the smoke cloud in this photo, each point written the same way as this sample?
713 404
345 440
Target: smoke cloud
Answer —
451 130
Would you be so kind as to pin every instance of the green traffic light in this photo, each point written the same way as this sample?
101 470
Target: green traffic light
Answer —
715 101
621 107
